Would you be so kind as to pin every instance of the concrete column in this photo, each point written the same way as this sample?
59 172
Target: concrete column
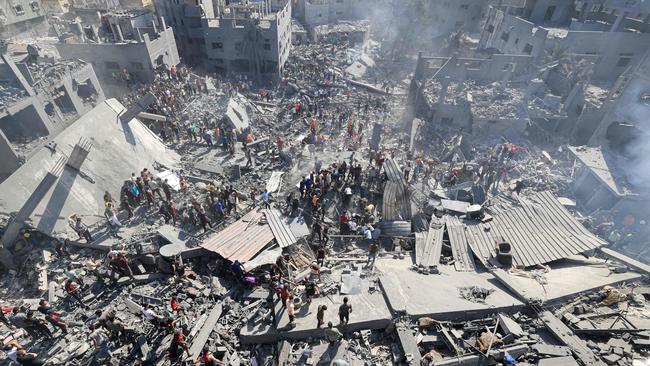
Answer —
586 9
79 154
163 25
120 36
618 21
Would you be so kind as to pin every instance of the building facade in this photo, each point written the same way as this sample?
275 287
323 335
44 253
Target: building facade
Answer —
132 43
22 19
41 98
242 38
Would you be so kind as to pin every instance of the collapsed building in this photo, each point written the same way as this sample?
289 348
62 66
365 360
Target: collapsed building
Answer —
360 212
251 39
128 48
41 97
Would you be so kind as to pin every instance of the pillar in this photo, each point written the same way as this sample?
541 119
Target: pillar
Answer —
618 21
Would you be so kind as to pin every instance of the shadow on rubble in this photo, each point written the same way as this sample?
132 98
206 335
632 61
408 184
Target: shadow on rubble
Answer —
59 196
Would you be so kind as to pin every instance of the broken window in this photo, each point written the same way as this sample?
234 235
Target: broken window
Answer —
549 13
490 28
35 7
49 109
217 45
464 6
528 48
624 59
505 36
19 10
579 108
137 66
516 40
112 65
267 46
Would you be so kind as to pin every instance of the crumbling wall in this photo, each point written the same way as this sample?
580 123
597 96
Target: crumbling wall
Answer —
512 35
616 50
20 19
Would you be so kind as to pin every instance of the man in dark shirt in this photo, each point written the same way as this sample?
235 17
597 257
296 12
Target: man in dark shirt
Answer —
344 311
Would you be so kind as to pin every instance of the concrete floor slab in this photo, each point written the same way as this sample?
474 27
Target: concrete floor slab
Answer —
438 295
572 276
369 311
425 293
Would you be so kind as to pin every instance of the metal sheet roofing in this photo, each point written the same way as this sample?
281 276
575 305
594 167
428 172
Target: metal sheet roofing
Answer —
243 239
281 230
541 230
428 245
460 248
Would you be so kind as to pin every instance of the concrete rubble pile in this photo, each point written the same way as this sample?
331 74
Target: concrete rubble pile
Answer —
313 223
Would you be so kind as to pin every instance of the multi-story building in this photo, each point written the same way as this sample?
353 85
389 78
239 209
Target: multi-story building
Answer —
614 34
56 6
128 47
241 37
22 19
40 97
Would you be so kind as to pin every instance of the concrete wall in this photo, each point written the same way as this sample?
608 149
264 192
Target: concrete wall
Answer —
512 35
185 19
451 15
499 67
229 47
628 108
22 19
139 59
319 12
550 12
610 48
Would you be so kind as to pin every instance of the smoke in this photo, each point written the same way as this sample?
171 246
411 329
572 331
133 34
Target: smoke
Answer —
404 27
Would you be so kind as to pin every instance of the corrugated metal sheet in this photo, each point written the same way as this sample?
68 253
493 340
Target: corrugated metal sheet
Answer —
395 228
541 230
395 203
281 230
460 248
428 246
243 239
393 172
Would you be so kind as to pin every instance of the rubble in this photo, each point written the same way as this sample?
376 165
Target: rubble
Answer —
356 212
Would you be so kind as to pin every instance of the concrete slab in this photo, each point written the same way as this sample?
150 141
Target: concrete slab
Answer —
369 311
425 293
565 279
118 149
571 276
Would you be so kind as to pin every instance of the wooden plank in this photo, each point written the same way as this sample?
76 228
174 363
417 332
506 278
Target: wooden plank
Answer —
206 330
565 335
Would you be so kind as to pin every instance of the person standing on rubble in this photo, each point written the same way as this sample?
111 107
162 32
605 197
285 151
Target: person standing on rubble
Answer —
372 254
52 316
100 341
82 230
344 312
266 199
320 315
73 289
332 334
119 263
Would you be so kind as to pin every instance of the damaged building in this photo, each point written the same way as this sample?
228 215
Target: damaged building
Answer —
393 189
126 49
22 19
242 38
41 97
